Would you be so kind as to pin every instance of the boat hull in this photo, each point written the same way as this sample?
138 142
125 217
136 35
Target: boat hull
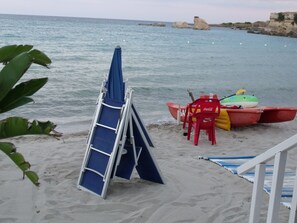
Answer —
228 117
277 114
174 109
244 117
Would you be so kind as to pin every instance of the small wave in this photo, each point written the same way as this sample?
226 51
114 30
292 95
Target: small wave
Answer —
9 35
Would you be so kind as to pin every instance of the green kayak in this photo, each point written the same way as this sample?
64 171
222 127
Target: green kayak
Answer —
244 101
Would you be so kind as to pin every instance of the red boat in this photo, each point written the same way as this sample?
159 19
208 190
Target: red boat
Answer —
174 109
277 114
235 117
242 117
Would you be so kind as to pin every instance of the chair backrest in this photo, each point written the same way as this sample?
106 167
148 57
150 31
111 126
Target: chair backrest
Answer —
205 106
209 105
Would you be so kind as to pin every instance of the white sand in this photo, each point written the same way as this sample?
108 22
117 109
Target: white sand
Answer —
195 190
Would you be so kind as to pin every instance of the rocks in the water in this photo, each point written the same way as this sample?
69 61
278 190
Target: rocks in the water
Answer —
199 24
181 25
158 24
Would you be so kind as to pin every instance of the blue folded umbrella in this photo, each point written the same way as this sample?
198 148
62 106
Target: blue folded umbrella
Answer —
115 85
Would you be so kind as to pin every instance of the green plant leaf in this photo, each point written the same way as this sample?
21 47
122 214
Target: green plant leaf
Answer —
33 177
17 60
17 96
7 147
10 150
13 126
12 72
40 58
7 53
38 127
17 158
30 87
16 126
4 107
24 165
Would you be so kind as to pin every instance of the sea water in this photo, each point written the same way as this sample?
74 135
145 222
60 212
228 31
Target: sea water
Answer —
159 64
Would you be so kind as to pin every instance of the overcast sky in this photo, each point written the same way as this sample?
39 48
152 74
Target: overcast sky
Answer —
213 11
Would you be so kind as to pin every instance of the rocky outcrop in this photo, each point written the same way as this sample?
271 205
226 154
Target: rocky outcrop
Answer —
200 24
260 24
158 24
283 24
280 24
181 25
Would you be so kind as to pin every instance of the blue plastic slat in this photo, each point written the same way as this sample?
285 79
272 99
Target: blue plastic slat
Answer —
92 182
97 161
109 117
103 139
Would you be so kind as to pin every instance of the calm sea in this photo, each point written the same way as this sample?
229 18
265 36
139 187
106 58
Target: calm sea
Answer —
159 63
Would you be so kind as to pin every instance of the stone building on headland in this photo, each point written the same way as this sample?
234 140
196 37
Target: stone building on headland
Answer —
279 24
283 23
199 24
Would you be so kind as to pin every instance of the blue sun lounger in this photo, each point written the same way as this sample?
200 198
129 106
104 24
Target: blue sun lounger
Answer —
118 141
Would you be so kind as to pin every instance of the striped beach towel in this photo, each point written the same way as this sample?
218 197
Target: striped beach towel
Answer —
231 163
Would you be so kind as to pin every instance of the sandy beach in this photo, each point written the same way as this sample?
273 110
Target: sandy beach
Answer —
196 190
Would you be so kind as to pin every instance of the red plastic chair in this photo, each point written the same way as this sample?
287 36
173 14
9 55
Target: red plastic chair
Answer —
202 114
189 112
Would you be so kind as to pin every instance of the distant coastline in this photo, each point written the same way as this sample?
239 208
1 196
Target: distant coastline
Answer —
279 24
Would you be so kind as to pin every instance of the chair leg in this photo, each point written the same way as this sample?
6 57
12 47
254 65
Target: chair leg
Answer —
197 134
213 141
209 134
189 130
209 131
